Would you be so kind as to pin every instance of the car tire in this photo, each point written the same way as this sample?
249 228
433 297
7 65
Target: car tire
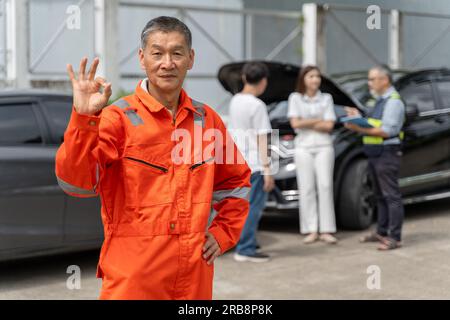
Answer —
356 203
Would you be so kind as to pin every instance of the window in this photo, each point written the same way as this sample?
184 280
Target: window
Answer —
444 93
58 114
278 110
18 125
420 95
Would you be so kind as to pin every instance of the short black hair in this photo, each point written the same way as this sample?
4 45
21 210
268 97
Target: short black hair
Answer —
254 72
166 24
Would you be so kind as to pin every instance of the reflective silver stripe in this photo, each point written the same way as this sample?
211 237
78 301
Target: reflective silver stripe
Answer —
199 118
212 215
131 114
121 103
241 193
134 118
73 189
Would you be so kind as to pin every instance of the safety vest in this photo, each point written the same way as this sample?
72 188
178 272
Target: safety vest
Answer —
375 120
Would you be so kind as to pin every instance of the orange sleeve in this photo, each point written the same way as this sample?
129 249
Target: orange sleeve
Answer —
231 192
90 143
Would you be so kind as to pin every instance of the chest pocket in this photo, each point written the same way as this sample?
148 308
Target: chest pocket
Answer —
202 180
147 178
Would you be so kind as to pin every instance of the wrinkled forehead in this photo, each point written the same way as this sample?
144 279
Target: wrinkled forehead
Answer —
167 40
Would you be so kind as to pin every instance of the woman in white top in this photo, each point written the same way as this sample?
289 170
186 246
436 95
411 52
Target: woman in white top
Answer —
311 114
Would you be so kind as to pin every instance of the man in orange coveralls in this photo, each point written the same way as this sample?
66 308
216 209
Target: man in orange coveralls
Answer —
159 243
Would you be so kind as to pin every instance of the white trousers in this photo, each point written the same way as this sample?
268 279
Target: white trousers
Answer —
315 182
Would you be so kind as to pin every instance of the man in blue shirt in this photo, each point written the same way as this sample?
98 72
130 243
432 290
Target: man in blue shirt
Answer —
382 145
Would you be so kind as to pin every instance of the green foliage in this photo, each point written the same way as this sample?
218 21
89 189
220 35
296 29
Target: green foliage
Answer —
119 94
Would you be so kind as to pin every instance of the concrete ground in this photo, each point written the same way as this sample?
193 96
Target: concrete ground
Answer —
419 270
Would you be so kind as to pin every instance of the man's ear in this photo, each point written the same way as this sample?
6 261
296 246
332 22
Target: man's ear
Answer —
141 58
191 58
264 84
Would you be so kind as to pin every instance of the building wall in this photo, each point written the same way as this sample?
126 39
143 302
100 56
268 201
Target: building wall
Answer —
342 54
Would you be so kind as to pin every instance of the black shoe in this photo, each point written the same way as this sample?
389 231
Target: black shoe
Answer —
258 247
256 257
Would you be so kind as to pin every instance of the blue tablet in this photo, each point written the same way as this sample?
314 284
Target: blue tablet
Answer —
360 121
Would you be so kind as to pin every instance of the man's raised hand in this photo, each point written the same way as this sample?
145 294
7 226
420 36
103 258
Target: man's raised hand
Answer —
90 94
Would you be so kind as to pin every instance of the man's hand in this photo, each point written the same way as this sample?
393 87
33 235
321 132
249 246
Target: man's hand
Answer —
269 182
377 132
87 97
352 111
352 126
211 249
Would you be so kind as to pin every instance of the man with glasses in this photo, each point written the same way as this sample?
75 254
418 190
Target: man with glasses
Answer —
382 146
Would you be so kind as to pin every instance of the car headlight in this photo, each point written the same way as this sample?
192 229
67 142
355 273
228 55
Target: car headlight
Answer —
288 144
290 167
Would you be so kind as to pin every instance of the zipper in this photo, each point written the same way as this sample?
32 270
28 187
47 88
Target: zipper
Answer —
165 170
200 163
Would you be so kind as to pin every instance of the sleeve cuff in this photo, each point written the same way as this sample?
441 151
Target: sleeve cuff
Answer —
389 131
86 122
221 238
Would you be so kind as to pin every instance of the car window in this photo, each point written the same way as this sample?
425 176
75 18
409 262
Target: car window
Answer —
278 110
420 94
444 93
58 112
18 125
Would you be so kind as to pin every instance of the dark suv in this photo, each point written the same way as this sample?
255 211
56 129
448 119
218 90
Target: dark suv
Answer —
36 216
425 171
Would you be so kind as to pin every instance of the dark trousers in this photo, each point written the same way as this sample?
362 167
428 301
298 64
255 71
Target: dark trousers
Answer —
385 169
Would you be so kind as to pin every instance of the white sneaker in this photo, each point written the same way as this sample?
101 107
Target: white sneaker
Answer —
256 257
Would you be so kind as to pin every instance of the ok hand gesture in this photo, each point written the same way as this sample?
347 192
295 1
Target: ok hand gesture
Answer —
88 98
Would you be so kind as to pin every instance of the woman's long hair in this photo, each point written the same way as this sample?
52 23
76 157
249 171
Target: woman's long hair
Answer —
301 87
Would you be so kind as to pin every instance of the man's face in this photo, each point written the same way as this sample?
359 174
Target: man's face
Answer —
166 60
377 81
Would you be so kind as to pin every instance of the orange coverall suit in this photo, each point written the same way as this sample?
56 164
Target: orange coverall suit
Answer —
155 212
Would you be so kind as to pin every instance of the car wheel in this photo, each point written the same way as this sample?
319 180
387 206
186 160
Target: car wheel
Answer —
357 202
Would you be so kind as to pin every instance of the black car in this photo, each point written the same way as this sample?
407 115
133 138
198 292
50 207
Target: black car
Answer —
425 170
36 216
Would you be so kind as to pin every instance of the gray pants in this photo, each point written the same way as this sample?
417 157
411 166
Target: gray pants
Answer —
315 181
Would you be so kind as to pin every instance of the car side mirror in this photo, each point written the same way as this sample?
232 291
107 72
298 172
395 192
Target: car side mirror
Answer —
412 111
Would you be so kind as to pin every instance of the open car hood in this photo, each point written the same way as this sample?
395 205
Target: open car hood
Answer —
281 82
